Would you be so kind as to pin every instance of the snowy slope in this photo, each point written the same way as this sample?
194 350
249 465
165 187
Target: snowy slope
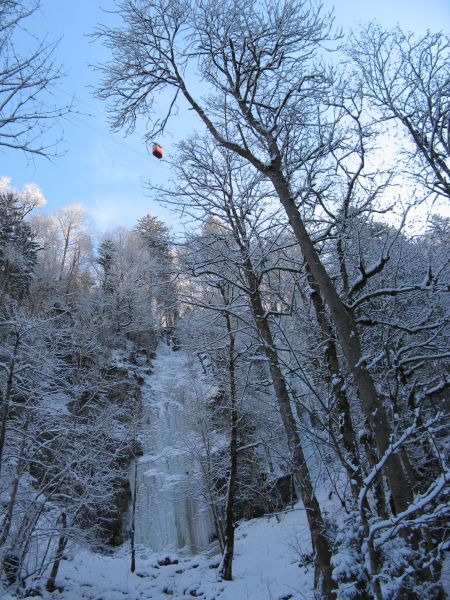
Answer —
266 567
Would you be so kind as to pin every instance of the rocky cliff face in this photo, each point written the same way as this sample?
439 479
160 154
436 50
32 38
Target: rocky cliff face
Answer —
125 379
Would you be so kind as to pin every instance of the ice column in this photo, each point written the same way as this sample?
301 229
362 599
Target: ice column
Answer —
171 510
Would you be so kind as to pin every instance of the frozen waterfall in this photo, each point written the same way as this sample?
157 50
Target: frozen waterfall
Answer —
171 509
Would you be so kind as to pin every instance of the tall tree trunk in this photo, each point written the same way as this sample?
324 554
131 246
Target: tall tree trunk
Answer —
208 474
62 542
302 477
351 460
15 486
133 519
65 250
351 347
7 398
227 561
304 485
342 318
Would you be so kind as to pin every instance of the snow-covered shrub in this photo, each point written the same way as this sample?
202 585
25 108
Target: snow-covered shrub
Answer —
349 568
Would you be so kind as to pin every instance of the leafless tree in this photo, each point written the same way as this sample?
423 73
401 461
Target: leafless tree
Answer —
406 78
268 103
217 184
27 109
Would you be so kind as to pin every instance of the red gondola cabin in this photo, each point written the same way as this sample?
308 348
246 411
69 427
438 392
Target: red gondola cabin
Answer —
157 151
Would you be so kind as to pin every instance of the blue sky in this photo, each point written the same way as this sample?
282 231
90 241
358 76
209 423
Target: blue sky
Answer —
105 171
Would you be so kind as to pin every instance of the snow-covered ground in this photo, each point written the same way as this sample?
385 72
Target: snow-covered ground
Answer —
266 567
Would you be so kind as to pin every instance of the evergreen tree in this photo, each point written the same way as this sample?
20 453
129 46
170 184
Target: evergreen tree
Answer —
154 233
18 248
155 237
106 256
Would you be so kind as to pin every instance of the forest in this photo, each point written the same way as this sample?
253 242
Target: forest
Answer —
286 356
